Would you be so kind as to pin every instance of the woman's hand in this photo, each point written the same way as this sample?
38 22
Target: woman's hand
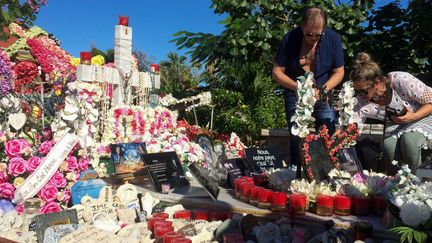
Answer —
407 118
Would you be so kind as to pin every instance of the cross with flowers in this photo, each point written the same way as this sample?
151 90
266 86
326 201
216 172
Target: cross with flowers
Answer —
122 78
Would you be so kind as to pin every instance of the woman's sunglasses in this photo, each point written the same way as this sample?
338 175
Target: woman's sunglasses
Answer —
363 92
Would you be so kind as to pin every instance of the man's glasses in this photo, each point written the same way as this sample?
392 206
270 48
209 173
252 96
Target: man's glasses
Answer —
314 34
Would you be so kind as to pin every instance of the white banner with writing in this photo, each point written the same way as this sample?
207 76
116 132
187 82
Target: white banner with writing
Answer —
40 177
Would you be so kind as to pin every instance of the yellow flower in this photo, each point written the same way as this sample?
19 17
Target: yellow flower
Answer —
244 106
18 182
98 60
75 61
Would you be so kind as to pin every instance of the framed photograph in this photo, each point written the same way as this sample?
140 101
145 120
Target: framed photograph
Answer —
126 157
205 142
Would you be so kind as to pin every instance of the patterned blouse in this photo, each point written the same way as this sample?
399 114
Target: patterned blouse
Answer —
408 91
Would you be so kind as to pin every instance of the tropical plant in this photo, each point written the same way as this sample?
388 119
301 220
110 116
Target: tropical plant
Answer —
15 10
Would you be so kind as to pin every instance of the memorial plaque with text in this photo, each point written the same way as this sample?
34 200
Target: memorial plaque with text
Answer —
164 168
264 159
44 221
204 180
237 168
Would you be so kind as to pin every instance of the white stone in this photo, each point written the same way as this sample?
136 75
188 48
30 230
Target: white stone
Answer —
171 210
148 202
127 193
105 222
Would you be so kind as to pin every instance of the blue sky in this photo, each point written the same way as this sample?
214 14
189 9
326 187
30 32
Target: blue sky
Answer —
79 24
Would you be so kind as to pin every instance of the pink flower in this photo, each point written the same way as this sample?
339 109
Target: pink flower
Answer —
7 190
17 166
50 207
72 163
358 177
20 208
33 163
45 147
67 196
58 180
48 193
13 148
83 163
4 177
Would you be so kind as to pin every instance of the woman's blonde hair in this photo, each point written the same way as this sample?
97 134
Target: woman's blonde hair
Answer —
366 70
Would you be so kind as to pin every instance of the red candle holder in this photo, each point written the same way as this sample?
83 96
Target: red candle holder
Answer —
279 200
160 215
85 58
325 205
360 205
154 68
201 215
298 203
260 180
379 205
181 240
342 205
161 223
265 198
237 183
183 214
160 231
151 222
219 215
170 236
124 20
255 195
233 238
246 192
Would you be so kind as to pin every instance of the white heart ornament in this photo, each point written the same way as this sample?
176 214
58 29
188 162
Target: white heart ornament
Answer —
17 120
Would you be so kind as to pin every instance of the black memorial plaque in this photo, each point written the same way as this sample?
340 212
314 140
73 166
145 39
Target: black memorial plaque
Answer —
237 168
264 159
320 163
164 168
349 161
204 180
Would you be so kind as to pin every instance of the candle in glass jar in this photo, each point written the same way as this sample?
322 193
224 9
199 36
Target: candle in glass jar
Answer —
298 203
160 215
279 200
183 214
255 195
237 183
260 179
162 223
248 178
160 231
264 198
154 68
342 205
201 215
85 58
325 205
124 20
360 205
170 236
152 221
246 192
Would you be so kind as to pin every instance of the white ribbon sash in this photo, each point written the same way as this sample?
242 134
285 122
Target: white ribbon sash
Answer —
38 179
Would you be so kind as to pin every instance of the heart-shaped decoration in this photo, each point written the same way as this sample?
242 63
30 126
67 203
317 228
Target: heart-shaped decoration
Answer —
17 120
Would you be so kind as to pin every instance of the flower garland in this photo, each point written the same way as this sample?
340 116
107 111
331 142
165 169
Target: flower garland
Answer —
311 189
196 101
305 105
6 73
346 104
234 148
305 148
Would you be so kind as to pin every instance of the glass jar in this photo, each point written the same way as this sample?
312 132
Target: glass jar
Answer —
31 209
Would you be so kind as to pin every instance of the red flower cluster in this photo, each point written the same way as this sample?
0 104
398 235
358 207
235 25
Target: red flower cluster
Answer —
25 73
50 56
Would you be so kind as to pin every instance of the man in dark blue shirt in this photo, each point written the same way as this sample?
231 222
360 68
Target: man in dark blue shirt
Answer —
309 48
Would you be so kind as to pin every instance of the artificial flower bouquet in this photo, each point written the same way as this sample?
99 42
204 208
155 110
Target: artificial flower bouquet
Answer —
311 190
21 157
414 203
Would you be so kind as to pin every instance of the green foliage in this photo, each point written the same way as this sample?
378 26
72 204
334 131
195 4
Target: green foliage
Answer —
177 77
13 10
399 39
410 235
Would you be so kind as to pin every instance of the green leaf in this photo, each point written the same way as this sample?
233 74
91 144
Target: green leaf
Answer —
242 42
234 51
404 236
410 236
